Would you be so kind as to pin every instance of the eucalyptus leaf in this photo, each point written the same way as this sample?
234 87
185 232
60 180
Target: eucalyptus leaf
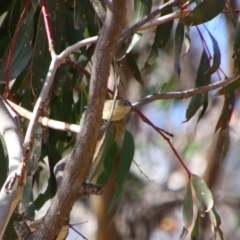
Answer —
205 11
203 194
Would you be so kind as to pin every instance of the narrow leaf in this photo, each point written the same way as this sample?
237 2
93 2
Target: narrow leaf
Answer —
187 39
116 197
22 50
201 99
223 143
216 56
205 11
183 233
126 157
135 39
4 162
178 41
162 35
108 165
141 9
195 231
213 237
232 86
188 207
128 46
236 48
237 37
107 147
134 68
229 100
41 58
203 194
214 218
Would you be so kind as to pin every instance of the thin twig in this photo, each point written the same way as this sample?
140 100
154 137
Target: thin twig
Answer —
140 170
130 31
181 95
78 232
47 27
140 27
164 19
145 119
63 126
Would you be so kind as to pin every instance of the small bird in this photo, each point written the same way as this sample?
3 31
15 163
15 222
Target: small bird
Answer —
121 109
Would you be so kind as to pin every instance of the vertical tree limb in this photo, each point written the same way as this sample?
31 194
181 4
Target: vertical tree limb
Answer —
78 167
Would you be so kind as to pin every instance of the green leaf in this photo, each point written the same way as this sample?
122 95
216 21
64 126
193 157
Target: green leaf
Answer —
22 50
41 55
216 56
4 42
107 147
204 12
213 237
41 58
188 207
134 68
187 39
204 107
203 194
236 45
108 165
27 194
178 41
223 142
4 162
183 233
232 86
141 9
162 35
74 34
116 196
126 158
201 99
77 14
214 218
236 48
195 230
229 100
129 45
134 40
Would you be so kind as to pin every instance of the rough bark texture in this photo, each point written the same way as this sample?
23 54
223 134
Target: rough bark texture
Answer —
77 169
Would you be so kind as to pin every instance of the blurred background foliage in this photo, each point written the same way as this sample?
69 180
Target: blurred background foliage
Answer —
173 57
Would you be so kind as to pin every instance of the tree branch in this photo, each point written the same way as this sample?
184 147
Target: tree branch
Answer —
77 169
130 31
180 95
12 190
44 121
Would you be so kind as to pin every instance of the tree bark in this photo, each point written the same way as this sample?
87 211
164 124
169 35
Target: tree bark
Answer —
79 165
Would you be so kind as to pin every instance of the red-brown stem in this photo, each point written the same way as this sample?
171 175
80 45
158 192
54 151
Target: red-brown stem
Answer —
47 25
159 130
186 4
145 119
82 70
204 42
12 47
